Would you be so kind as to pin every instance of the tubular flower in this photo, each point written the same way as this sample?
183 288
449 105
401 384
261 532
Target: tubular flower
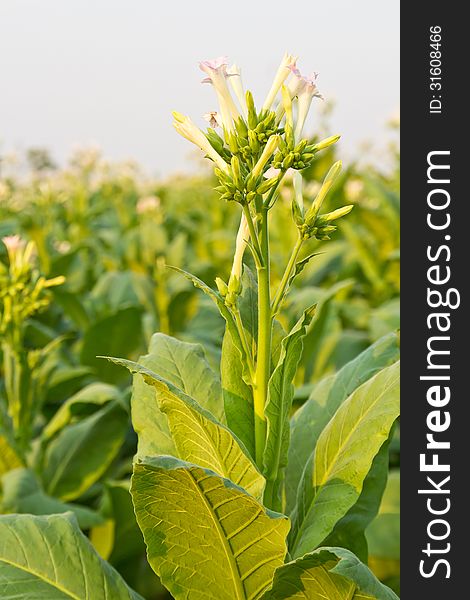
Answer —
243 236
216 70
235 80
287 63
185 127
305 96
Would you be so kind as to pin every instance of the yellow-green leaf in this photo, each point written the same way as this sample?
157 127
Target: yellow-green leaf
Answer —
333 478
205 536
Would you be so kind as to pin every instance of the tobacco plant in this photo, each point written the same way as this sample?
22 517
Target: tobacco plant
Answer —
236 496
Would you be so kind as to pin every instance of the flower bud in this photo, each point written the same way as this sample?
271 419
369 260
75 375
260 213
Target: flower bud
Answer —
325 188
336 214
221 286
326 142
266 155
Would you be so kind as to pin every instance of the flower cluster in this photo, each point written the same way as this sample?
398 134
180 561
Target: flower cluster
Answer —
251 141
253 149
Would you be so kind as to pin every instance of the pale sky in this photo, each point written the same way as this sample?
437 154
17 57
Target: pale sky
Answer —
75 72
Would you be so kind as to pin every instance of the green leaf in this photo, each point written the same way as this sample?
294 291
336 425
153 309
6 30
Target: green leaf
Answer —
198 437
79 455
330 574
280 395
334 475
118 334
49 558
83 403
349 532
383 535
185 366
238 394
217 299
23 494
205 536
319 343
325 399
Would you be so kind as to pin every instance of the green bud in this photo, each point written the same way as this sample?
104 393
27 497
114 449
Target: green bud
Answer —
250 196
232 142
221 286
266 185
287 162
336 214
327 142
241 128
300 146
312 213
237 177
252 116
253 141
297 213
306 156
268 151
327 229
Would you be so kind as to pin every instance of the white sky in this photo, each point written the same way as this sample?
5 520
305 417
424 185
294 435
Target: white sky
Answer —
110 71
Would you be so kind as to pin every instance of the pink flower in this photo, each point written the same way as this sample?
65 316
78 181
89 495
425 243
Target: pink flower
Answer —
216 70
13 242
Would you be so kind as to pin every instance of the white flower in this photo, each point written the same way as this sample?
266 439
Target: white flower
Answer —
185 127
235 80
305 96
216 70
287 63
243 236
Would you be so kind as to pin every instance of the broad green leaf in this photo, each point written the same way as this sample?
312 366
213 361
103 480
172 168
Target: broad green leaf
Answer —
83 403
128 540
327 574
217 299
119 334
79 455
280 395
349 532
9 459
199 438
205 536
48 558
334 475
238 396
325 399
319 344
184 365
23 494
383 534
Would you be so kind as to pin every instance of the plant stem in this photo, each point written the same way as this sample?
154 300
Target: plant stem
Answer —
285 278
263 363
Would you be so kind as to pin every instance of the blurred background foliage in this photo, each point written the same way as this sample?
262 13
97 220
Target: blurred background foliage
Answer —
110 231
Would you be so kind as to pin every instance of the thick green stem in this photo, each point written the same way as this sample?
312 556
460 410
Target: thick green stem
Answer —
287 273
263 363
